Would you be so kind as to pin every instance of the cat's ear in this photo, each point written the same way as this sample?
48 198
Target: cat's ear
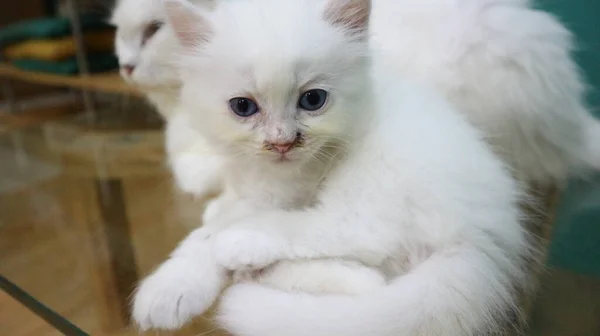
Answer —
189 22
352 15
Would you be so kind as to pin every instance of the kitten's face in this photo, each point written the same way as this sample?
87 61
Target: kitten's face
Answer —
144 45
273 80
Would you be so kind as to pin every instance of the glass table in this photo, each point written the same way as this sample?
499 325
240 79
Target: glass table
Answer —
87 209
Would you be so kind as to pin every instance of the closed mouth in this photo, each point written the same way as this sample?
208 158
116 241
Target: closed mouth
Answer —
285 157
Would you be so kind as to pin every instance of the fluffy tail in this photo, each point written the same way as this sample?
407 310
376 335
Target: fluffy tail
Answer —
459 292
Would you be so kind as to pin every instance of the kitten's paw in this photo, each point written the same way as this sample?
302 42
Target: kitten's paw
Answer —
241 248
175 293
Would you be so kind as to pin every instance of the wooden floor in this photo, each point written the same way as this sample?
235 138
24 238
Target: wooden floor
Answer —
55 244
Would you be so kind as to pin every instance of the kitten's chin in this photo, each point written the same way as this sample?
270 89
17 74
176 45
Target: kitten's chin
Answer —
290 158
284 159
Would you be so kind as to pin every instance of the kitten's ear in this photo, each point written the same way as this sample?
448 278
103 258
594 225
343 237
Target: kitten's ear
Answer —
188 21
352 15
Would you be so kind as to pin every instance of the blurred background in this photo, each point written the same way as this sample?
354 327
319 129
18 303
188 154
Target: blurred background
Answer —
88 207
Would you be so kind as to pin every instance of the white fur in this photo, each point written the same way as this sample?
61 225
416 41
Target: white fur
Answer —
155 69
389 177
508 67
194 167
439 215
504 65
167 300
320 277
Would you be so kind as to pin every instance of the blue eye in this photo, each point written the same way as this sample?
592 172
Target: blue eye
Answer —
243 107
312 100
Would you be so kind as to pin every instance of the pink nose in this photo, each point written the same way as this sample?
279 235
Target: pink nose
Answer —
128 69
282 148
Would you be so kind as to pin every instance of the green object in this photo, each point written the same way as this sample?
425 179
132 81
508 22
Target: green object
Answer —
97 63
576 239
46 28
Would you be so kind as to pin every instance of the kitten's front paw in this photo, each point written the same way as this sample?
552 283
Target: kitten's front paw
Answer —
175 293
241 248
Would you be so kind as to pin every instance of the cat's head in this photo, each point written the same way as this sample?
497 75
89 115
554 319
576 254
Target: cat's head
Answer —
144 45
276 81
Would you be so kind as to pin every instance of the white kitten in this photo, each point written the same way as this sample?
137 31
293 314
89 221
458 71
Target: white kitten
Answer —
404 185
248 187
508 67
147 50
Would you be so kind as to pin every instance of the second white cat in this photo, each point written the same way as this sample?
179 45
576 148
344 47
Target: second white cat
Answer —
147 50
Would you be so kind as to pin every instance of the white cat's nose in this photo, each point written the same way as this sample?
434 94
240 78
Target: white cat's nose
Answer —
283 148
128 69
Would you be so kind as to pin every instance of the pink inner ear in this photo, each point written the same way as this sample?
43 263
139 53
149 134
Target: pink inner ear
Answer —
190 26
190 38
350 14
